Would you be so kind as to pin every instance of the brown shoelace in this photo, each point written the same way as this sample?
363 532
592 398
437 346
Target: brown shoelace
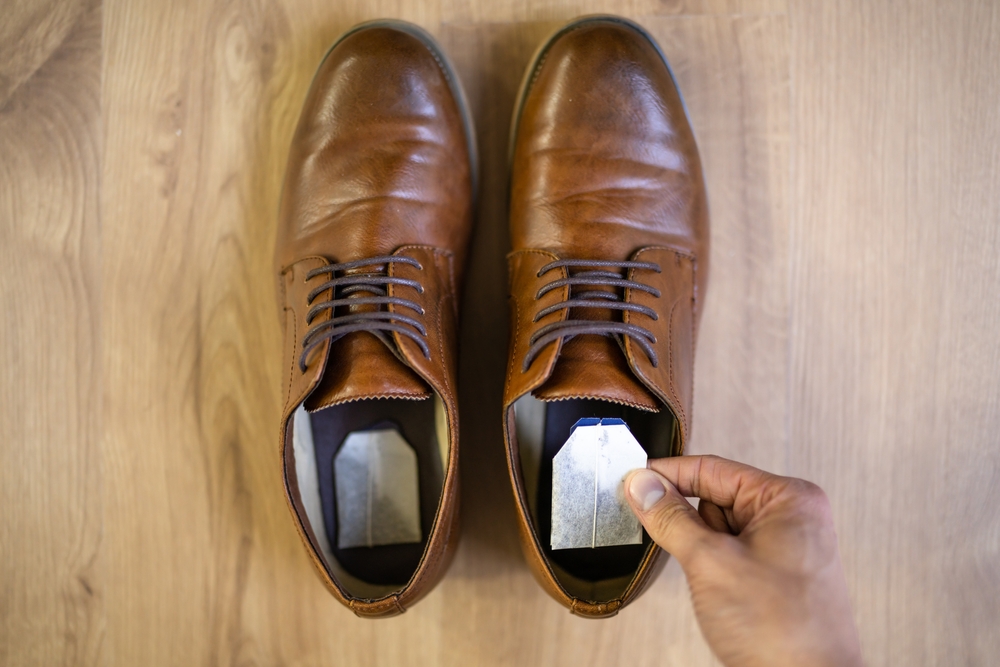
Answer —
599 276
354 290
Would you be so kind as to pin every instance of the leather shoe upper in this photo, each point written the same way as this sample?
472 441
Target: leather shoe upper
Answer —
604 168
380 168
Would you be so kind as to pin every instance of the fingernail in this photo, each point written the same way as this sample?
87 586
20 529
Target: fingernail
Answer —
646 489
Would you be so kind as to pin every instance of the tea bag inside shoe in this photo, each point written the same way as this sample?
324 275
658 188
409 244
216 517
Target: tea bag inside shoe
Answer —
344 456
541 429
376 481
589 508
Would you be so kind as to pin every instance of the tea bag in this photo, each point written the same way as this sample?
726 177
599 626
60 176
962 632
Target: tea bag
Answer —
589 508
378 503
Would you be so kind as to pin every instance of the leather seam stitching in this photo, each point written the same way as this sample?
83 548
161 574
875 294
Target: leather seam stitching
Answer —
295 338
517 319
545 56
452 287
536 73
289 267
682 254
670 361
426 564
444 365
694 318
639 406
536 552
444 72
451 279
405 397
295 327
517 337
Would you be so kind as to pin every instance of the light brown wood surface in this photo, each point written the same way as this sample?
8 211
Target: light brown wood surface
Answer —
851 336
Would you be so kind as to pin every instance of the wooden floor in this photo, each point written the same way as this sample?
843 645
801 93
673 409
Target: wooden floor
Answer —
852 330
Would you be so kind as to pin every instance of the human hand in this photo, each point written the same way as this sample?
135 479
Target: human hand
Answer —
761 559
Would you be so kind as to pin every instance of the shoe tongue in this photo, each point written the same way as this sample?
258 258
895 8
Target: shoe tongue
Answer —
595 367
361 366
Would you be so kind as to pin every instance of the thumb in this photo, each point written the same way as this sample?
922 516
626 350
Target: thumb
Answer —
667 516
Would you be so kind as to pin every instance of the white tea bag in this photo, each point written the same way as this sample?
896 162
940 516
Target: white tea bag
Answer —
588 495
376 479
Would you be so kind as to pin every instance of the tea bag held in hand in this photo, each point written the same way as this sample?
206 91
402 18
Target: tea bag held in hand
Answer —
589 508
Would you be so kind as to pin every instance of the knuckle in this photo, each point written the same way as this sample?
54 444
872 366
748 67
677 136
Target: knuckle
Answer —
812 498
710 463
812 492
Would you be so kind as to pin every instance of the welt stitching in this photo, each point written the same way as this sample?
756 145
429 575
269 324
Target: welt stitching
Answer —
534 75
545 56
444 70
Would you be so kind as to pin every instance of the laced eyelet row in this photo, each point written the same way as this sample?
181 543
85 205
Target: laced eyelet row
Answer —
602 273
356 289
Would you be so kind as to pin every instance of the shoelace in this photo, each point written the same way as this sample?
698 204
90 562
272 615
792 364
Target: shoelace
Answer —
594 298
351 290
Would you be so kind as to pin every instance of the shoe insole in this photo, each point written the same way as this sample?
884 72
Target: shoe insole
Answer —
390 564
652 430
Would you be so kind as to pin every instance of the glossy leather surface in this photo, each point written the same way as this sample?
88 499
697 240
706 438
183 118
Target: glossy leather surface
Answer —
380 164
604 166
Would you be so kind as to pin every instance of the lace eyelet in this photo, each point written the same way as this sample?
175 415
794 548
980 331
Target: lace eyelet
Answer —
595 280
371 287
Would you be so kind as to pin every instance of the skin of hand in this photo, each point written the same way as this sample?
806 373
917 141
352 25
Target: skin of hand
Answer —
761 559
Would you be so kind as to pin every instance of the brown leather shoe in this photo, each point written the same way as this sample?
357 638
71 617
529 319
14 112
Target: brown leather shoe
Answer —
609 230
375 218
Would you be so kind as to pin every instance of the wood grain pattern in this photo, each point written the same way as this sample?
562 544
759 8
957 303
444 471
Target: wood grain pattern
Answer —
852 153
51 551
895 307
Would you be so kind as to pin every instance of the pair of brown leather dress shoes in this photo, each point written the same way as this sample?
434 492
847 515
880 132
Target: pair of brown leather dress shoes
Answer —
609 232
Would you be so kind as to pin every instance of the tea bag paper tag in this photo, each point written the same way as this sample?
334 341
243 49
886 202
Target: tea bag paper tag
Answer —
589 508
376 481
